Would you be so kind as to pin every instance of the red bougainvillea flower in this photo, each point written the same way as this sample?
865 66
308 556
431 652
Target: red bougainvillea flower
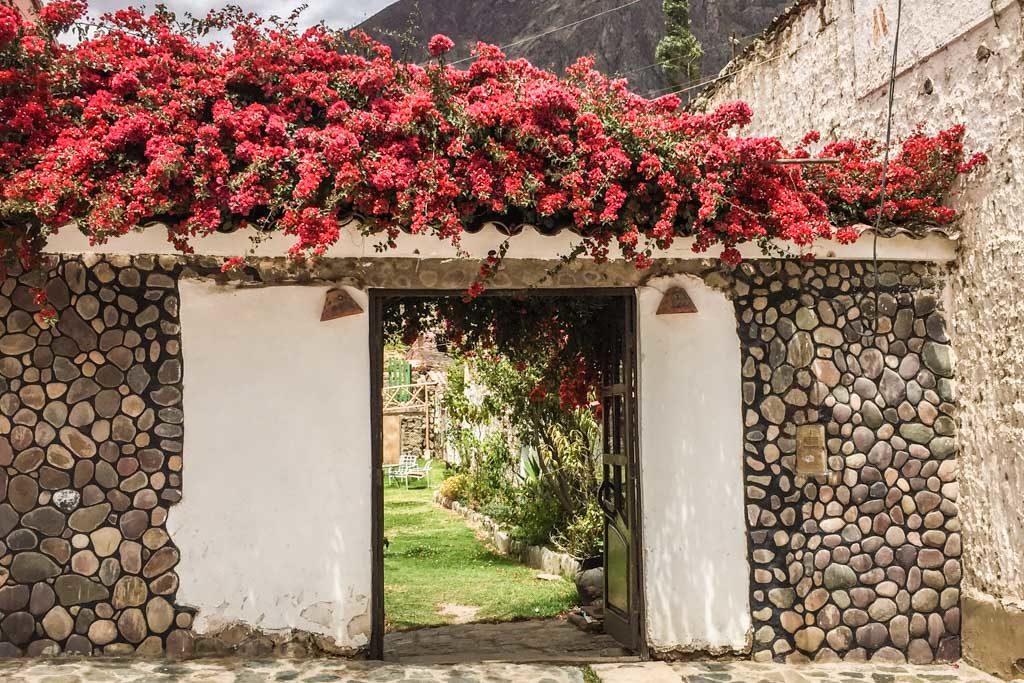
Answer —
440 44
294 131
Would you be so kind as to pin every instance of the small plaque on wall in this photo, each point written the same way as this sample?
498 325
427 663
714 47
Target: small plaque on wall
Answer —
811 457
338 304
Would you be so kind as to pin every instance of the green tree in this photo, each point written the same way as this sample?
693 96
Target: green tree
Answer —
679 52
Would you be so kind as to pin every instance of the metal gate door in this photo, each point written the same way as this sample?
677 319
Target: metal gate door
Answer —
618 495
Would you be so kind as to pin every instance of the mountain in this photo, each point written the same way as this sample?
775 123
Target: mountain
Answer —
622 41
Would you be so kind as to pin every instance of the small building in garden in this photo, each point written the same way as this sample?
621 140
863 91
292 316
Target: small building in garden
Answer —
191 458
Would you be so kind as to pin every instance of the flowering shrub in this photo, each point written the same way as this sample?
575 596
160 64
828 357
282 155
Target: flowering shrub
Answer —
291 131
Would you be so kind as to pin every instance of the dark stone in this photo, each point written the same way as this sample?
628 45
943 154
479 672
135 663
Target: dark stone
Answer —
138 379
84 620
949 649
13 598
89 518
29 460
72 325
161 561
64 370
53 479
42 599
133 524
30 567
22 539
880 455
937 358
108 402
872 636
81 389
151 459
77 590
166 396
18 627
109 376
78 645
23 492
935 325
46 520
871 363
906 556
170 372
893 388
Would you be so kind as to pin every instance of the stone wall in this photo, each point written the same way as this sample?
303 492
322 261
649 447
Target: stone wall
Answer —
824 68
412 435
90 460
862 563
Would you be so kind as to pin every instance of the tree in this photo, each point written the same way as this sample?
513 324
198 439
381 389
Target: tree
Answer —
679 52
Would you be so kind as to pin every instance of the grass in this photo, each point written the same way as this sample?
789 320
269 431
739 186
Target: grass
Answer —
434 558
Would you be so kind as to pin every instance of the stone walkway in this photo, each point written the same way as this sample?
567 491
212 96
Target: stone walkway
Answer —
97 670
751 672
541 640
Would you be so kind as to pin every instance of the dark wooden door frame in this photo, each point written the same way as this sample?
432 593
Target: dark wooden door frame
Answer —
377 298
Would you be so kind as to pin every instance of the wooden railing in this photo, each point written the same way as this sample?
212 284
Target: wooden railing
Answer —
409 398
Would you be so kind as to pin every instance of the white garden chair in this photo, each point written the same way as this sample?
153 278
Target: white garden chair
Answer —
400 472
418 473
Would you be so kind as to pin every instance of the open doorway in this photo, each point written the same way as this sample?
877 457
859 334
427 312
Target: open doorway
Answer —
505 476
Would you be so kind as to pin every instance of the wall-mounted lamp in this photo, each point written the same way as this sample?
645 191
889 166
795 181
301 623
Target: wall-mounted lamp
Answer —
676 300
339 304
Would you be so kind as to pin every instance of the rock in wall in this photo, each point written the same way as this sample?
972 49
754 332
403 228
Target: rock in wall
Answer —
90 460
863 563
960 62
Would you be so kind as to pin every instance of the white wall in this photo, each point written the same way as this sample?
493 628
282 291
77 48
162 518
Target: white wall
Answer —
274 522
527 244
695 555
960 62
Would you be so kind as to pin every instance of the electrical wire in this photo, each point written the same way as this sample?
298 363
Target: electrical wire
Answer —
556 29
885 168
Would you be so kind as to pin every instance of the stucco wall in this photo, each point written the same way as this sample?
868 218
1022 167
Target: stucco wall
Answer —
695 549
274 523
961 62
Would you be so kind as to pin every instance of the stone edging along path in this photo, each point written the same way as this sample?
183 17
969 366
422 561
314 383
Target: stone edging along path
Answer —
535 556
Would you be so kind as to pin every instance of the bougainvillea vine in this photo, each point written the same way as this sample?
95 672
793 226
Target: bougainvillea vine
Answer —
143 121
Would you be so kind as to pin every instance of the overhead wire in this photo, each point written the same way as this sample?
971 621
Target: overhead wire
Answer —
885 169
556 29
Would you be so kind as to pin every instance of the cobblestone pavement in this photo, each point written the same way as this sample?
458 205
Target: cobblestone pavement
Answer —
541 640
750 672
304 670
98 670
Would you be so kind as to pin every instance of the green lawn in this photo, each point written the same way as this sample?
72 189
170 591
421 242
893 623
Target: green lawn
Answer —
434 558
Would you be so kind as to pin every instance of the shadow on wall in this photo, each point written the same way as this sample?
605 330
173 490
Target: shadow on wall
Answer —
274 527
697 574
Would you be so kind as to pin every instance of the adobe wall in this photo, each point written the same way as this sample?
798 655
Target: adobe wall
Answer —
824 67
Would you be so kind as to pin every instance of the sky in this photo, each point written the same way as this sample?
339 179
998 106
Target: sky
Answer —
336 13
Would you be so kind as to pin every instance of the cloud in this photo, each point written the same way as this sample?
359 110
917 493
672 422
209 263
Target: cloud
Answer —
343 14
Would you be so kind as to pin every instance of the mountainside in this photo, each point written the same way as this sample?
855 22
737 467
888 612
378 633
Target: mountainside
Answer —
622 41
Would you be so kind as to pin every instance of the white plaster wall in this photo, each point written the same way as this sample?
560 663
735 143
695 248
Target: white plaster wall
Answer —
826 70
695 555
274 522
527 244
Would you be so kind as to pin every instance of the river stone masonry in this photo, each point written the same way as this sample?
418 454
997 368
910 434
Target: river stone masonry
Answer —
863 563
91 431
